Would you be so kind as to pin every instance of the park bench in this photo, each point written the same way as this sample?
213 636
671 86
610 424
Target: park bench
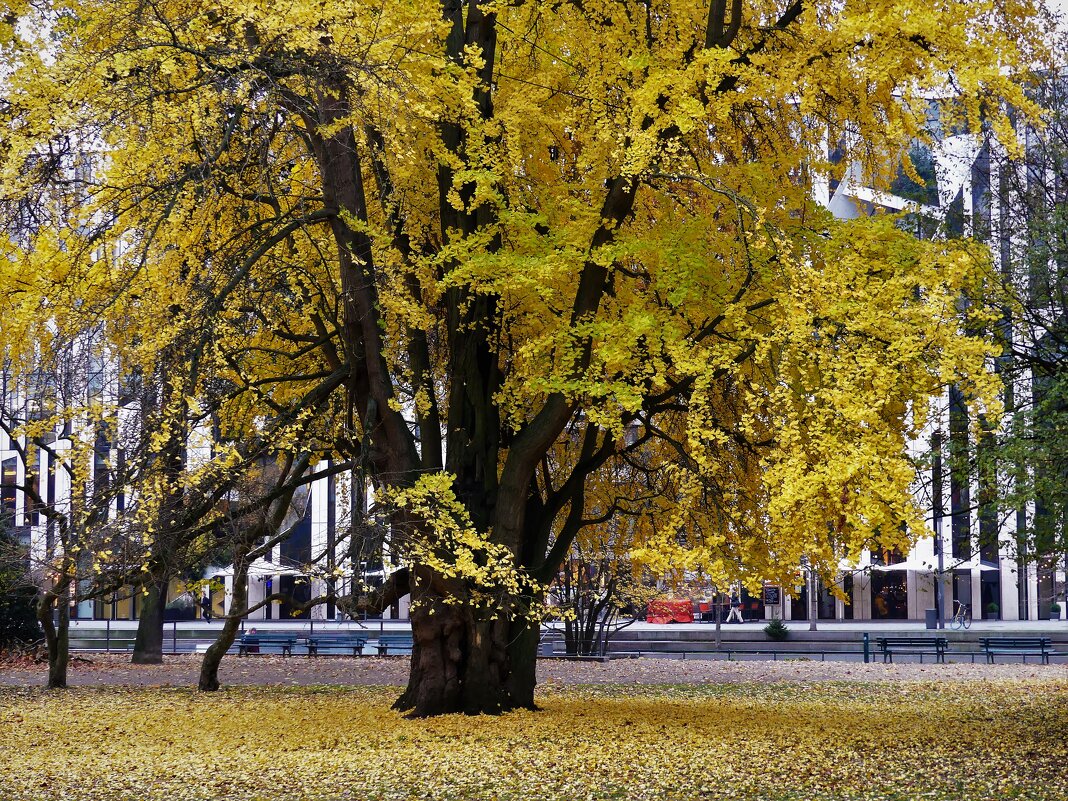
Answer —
342 642
387 641
253 643
912 645
1017 646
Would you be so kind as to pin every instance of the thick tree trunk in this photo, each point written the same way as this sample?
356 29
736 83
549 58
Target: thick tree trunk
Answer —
461 663
213 657
523 661
148 645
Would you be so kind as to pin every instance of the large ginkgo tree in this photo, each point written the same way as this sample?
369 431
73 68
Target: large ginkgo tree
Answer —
509 245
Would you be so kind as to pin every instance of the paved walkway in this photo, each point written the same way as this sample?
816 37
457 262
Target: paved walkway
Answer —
370 627
182 671
1030 627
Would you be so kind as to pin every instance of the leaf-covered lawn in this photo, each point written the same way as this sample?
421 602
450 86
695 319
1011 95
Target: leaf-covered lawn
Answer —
962 740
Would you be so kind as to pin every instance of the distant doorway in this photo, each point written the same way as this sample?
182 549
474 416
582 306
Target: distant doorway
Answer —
847 588
799 604
962 591
825 601
889 595
299 591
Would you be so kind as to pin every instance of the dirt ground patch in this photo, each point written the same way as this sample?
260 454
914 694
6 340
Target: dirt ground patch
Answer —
181 671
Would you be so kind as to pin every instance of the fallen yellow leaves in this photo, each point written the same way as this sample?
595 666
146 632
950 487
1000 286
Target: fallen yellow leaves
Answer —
772 741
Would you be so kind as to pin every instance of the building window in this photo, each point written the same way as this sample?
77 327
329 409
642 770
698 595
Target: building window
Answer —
8 497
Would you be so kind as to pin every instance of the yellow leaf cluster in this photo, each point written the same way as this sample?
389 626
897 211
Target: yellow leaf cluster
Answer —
444 540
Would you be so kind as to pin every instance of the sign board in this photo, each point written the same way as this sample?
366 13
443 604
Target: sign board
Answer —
772 596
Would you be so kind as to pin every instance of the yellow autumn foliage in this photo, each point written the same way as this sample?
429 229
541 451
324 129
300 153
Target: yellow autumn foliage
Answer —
855 741
479 244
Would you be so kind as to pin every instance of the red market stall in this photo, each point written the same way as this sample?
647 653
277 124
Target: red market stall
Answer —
669 610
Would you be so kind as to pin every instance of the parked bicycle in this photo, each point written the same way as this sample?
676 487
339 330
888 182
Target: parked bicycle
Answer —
962 615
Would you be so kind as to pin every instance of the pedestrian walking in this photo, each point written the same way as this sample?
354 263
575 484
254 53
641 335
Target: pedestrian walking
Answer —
735 615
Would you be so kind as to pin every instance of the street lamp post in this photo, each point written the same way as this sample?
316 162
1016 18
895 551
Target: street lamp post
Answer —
936 513
813 603
939 601
810 585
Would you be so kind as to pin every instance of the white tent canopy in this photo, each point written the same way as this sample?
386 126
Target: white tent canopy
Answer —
970 564
908 564
925 567
261 568
849 566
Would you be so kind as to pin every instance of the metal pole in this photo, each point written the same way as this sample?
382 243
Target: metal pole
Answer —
813 602
331 545
107 635
939 589
867 648
936 513
174 637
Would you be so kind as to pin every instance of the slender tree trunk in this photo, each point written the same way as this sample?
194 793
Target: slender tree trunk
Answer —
148 645
213 657
58 661
57 635
571 645
571 627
